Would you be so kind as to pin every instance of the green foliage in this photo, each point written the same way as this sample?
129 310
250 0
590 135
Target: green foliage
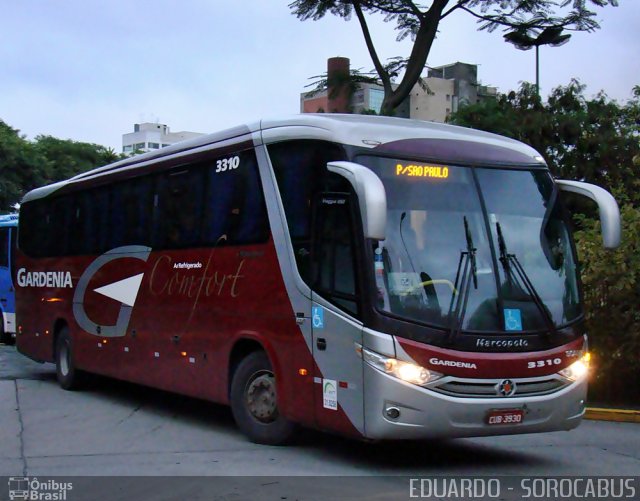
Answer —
25 165
612 294
420 22
20 167
595 140
67 158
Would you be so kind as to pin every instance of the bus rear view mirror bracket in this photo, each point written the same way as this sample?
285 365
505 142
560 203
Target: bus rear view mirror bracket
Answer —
372 198
607 208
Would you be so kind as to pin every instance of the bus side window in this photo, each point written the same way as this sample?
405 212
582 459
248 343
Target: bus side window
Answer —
32 217
96 220
253 224
180 202
300 167
59 217
235 211
130 215
12 252
4 247
334 251
221 198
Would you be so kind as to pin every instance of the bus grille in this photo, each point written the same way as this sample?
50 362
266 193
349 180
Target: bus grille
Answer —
487 388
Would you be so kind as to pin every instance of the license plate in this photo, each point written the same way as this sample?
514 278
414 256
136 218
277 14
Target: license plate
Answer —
505 416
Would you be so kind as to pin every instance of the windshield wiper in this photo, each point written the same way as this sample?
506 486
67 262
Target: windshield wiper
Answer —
511 261
465 274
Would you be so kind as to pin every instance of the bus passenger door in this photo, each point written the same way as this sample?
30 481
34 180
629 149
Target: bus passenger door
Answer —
334 311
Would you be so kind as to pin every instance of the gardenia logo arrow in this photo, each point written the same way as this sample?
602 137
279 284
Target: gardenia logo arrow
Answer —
124 291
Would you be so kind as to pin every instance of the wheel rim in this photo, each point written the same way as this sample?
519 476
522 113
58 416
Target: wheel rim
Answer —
260 397
64 359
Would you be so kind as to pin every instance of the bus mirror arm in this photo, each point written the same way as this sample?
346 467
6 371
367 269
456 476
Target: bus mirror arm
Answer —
372 198
607 208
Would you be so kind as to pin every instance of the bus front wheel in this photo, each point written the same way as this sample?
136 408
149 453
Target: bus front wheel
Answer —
254 402
68 376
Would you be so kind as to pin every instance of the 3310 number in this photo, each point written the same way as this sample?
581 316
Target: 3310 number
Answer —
226 164
544 363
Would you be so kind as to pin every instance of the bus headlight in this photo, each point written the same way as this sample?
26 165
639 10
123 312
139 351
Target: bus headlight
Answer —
577 369
411 373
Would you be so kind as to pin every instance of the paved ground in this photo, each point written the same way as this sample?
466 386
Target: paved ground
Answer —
114 428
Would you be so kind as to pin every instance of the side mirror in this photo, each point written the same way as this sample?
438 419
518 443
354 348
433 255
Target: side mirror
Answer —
607 207
372 197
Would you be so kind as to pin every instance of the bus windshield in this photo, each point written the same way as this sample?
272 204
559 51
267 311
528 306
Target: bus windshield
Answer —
485 249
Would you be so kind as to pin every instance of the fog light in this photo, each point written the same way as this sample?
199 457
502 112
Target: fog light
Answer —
393 412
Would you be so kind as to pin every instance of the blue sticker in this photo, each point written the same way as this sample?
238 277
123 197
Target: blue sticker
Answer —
317 317
512 320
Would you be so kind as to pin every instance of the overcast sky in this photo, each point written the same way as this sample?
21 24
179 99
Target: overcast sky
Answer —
88 70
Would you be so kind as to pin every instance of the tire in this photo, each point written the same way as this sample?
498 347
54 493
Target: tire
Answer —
68 376
258 417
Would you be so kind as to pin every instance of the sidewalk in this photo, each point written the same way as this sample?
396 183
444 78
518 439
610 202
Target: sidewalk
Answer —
617 415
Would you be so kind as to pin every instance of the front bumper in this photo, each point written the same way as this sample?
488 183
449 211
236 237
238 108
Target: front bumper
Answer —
424 413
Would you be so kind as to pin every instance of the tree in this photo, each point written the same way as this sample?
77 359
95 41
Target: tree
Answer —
594 140
66 158
612 293
25 165
20 167
420 23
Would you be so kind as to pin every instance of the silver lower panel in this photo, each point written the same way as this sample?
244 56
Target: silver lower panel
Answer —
425 413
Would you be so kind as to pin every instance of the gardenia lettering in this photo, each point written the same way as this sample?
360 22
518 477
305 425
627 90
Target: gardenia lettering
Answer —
452 363
58 279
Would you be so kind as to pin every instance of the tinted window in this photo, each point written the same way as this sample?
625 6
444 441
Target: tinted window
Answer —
218 201
92 226
334 252
58 220
301 172
300 168
4 246
31 226
189 206
180 202
131 212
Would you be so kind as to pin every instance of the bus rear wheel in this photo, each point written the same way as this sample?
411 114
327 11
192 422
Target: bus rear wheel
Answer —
254 402
68 376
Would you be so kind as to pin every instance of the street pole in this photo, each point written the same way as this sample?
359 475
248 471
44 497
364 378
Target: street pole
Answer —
551 35
538 70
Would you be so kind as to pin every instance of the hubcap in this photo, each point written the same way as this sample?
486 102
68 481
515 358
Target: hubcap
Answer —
261 397
64 359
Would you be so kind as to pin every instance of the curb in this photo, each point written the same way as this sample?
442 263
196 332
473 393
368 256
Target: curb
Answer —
617 415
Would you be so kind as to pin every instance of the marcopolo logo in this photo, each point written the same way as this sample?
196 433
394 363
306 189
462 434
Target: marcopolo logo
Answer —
38 490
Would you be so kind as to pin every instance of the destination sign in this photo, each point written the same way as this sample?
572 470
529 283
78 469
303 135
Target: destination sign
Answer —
429 171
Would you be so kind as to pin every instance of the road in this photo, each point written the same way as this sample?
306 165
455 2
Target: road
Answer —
120 429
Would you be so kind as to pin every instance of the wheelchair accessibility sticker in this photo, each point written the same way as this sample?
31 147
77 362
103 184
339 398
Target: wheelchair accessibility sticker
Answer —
317 317
512 320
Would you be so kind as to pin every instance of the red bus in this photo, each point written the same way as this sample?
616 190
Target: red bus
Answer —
375 277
